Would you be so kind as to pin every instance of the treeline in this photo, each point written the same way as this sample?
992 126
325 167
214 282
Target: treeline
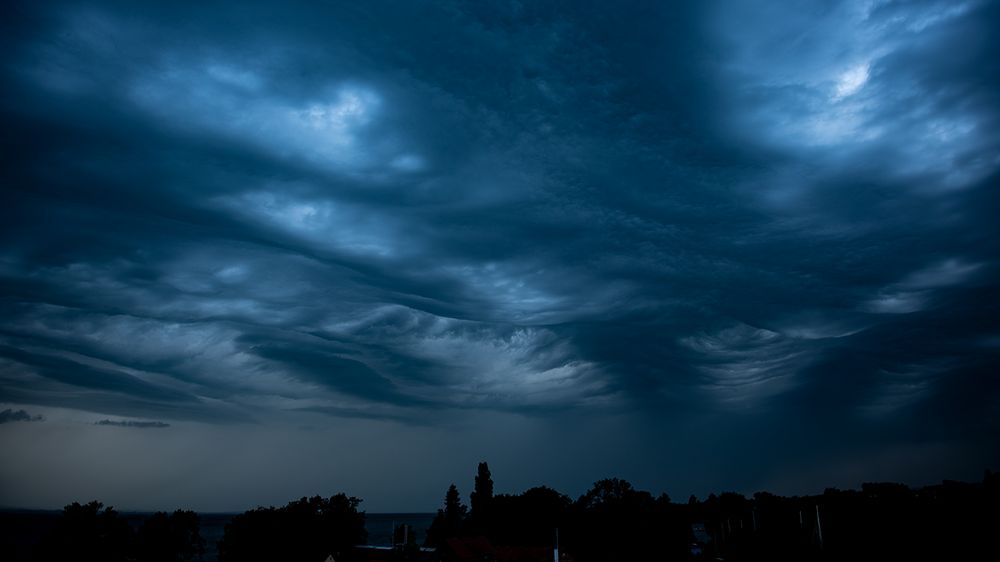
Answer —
92 532
307 529
612 521
881 521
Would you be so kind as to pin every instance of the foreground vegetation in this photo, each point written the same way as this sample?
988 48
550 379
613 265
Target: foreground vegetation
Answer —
94 532
612 521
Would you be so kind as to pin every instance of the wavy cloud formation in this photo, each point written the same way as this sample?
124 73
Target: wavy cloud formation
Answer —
692 225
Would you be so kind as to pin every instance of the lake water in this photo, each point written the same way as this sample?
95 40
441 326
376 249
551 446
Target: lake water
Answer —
380 526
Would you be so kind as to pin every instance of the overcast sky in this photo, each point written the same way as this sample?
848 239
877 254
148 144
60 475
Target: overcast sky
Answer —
254 252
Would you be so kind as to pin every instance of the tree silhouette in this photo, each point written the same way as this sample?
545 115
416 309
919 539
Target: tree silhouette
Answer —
307 529
529 519
483 493
449 521
608 492
614 521
86 532
170 538
480 500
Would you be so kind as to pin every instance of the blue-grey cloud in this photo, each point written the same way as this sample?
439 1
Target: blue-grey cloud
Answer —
746 221
8 415
133 423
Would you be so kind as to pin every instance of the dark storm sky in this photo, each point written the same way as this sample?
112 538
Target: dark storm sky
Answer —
256 252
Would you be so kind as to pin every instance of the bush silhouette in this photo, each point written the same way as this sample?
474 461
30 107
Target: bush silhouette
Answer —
170 538
87 532
307 529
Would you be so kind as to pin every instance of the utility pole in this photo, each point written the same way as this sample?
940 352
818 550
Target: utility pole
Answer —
556 552
819 527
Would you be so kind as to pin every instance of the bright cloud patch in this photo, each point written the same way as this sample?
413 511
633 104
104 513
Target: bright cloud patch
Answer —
324 223
799 91
851 80
324 129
